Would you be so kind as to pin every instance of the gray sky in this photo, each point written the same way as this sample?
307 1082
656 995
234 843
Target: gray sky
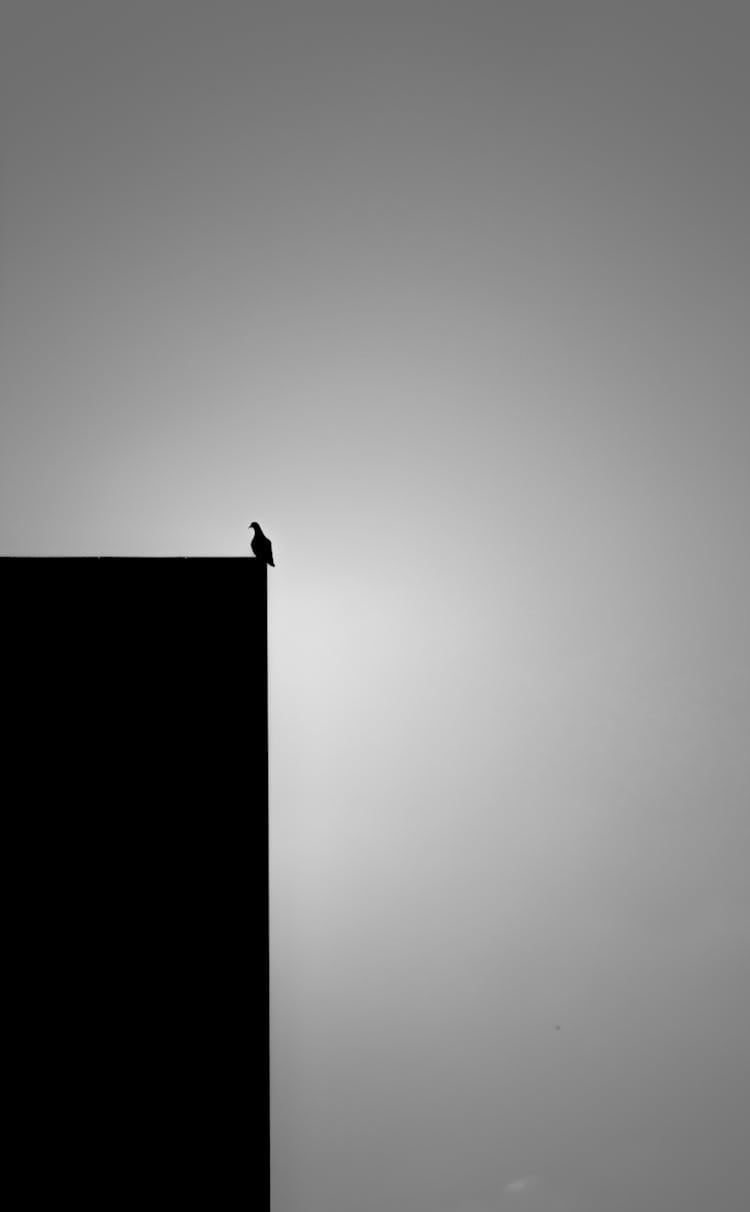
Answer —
454 298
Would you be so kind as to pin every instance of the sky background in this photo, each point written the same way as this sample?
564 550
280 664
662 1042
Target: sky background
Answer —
454 299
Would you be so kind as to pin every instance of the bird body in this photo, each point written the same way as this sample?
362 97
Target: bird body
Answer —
260 545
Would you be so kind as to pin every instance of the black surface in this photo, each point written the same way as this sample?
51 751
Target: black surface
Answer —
136 833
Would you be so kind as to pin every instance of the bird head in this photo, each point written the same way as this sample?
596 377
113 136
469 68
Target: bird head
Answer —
253 526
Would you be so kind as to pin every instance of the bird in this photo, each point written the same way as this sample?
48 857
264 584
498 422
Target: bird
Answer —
261 546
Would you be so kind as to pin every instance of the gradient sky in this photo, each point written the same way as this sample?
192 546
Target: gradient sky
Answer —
453 298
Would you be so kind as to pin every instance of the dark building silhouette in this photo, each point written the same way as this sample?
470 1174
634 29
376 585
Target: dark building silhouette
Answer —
136 792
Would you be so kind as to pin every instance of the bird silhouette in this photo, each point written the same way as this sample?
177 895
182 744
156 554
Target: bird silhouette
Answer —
260 545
